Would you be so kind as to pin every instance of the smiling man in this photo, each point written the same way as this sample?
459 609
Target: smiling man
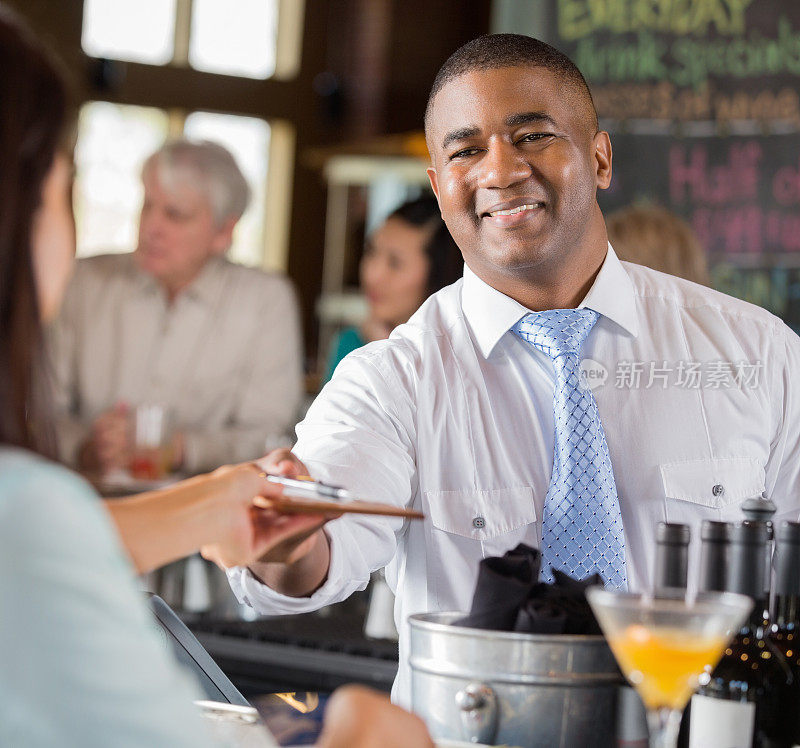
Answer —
529 236
176 323
555 396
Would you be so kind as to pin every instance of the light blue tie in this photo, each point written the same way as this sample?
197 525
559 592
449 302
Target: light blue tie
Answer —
581 524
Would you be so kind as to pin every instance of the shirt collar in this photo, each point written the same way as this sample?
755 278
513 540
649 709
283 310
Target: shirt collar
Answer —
204 288
612 294
491 313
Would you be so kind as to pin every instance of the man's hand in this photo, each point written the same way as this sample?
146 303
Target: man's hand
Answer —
282 462
109 443
357 717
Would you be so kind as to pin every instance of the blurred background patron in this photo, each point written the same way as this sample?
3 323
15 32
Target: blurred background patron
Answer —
657 238
406 259
175 323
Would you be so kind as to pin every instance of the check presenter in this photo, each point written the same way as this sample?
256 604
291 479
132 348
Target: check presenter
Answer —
554 395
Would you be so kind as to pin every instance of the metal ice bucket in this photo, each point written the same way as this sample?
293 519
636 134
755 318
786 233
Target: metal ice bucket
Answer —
514 689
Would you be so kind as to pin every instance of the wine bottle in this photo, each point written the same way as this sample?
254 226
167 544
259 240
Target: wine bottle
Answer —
744 702
713 561
713 549
672 560
785 628
760 510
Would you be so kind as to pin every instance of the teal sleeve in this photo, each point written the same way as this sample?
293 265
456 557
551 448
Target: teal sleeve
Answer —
347 341
82 664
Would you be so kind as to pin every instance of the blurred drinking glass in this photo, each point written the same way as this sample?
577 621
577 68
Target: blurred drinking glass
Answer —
151 454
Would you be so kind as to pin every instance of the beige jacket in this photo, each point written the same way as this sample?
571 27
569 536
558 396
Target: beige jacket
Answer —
225 357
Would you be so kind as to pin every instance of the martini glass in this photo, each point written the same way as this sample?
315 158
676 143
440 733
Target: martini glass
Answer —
663 646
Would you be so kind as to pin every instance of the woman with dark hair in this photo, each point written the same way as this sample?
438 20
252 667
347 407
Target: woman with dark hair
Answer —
28 143
407 258
81 663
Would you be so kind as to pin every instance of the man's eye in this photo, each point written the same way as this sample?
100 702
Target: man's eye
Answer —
464 153
534 136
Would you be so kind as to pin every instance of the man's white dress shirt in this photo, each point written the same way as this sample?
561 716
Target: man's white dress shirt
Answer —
453 415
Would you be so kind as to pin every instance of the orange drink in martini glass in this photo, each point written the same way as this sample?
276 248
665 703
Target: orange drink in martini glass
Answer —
663 646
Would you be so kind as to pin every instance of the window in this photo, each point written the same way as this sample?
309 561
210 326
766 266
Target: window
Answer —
247 138
135 30
253 39
234 38
217 36
113 142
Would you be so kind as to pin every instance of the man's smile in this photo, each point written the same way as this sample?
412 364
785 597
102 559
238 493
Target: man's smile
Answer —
513 212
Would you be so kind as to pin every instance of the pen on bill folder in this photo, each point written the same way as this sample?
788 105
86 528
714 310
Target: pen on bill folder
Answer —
311 487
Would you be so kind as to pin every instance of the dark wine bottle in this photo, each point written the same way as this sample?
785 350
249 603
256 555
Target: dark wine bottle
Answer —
713 549
744 702
713 563
785 628
672 560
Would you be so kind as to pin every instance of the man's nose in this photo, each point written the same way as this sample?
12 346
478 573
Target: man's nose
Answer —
149 223
503 166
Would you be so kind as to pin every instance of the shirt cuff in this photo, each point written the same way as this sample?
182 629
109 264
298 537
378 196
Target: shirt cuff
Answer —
337 587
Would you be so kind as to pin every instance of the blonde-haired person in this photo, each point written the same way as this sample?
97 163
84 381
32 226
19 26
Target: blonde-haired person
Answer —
657 238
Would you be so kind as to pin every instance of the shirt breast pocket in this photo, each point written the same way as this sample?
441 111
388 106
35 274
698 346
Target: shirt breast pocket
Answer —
711 489
483 523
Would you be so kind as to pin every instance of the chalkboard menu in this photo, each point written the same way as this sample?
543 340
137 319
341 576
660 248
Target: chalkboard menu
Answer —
702 100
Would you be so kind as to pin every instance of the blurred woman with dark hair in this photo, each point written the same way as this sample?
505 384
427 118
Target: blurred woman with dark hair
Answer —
407 258
34 184
81 662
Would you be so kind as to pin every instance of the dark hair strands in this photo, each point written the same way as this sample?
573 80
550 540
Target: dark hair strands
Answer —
444 256
33 101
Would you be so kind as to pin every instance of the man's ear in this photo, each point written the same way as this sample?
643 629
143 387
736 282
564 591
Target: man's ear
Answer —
224 236
434 179
602 159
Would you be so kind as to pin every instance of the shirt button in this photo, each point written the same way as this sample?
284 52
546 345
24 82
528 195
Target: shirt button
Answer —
479 523
718 490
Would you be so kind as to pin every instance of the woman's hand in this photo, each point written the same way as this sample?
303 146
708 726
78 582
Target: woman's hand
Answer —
215 512
249 534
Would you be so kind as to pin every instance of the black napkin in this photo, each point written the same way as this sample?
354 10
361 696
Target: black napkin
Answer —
509 597
504 584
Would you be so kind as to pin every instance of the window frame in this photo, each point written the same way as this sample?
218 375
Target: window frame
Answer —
179 90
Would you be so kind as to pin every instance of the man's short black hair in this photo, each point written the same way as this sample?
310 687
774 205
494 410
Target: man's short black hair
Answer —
509 50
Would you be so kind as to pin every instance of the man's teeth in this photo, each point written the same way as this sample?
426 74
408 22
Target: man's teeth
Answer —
514 211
